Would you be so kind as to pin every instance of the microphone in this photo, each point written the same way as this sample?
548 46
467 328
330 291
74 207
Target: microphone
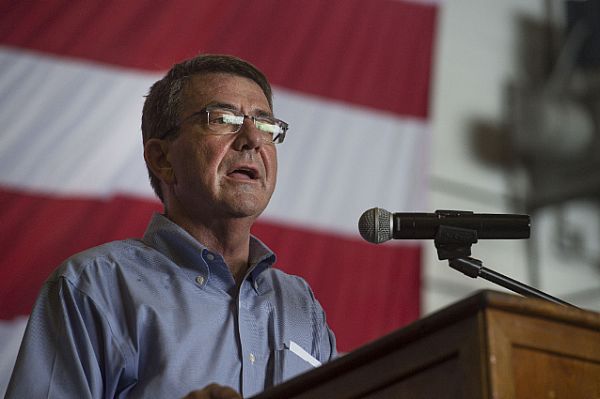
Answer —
377 225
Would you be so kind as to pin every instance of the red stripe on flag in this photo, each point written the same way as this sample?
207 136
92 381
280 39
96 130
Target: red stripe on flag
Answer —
376 55
39 232
353 280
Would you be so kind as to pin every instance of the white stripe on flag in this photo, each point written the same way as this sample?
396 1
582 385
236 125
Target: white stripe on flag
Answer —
70 128
339 160
73 128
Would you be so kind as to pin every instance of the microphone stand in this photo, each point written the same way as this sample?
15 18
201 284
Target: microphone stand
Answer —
454 244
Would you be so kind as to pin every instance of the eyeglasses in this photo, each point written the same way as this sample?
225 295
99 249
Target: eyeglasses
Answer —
228 121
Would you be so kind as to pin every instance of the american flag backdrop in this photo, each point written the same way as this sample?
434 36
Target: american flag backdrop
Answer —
352 77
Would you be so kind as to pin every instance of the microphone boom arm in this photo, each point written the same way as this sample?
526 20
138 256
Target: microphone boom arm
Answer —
454 244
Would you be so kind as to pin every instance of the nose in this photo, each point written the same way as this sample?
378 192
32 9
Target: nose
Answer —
249 137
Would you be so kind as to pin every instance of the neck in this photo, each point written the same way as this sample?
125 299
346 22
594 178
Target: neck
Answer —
229 237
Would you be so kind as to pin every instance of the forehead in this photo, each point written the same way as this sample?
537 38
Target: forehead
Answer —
239 91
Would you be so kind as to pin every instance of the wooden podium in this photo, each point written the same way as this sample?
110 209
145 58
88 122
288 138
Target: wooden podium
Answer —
490 345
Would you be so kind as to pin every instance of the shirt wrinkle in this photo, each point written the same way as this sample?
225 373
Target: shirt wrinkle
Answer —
102 313
153 310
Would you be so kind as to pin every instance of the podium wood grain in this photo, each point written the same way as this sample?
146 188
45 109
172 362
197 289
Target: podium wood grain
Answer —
488 346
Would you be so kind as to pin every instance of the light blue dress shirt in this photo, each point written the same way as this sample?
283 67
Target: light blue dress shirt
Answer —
162 316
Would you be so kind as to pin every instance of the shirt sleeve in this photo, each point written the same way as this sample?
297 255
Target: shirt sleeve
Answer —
326 343
68 350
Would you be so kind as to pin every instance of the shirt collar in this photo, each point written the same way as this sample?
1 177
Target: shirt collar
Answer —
174 242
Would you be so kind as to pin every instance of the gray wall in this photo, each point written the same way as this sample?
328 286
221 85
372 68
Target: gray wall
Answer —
476 62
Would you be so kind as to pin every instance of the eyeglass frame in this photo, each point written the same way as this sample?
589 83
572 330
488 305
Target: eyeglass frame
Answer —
206 110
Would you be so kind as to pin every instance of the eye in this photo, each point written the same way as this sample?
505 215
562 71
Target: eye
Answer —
224 118
267 126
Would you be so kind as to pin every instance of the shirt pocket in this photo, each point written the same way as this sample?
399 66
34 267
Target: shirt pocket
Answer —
287 365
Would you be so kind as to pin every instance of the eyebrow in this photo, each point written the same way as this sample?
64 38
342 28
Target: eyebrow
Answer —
258 112
221 105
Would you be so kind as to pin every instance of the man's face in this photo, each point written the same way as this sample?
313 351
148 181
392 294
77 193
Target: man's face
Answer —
216 176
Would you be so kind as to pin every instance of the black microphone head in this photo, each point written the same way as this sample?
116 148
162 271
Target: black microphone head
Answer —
375 225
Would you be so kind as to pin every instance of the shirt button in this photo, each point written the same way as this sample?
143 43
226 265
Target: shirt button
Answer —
200 280
210 256
252 358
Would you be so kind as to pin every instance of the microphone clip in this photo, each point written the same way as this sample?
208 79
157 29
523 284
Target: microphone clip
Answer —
454 242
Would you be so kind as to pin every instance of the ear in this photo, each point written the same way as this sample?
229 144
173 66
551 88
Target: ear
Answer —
156 154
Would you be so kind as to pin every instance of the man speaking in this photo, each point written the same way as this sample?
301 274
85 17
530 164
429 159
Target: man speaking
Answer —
194 307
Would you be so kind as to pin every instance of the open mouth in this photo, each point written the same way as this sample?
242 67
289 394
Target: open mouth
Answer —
244 173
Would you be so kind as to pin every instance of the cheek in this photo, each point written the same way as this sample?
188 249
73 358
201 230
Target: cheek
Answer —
274 169
271 161
189 165
206 159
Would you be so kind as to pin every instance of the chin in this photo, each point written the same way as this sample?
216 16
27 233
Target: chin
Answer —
246 208
245 204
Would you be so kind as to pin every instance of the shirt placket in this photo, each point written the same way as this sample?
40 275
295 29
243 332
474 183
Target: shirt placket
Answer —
252 354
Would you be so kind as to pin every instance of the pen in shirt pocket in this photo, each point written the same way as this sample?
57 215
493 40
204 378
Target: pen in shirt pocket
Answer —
300 352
